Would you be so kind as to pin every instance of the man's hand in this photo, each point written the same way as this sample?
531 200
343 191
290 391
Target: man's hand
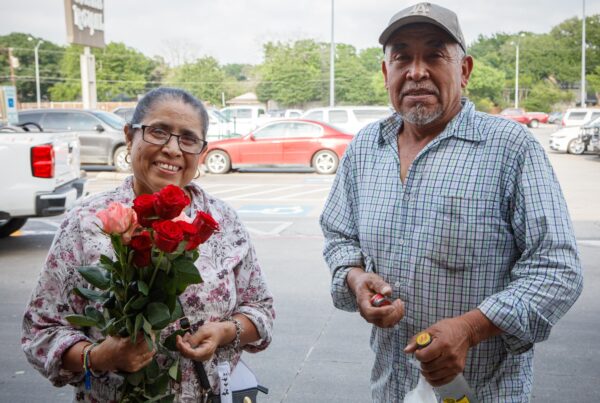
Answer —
445 357
364 286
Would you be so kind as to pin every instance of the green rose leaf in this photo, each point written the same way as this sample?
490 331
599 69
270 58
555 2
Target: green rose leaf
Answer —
135 378
96 276
91 295
152 370
139 302
175 371
158 315
95 315
186 274
143 287
139 321
80 320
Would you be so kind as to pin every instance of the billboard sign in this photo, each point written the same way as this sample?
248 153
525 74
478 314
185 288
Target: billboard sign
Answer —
85 22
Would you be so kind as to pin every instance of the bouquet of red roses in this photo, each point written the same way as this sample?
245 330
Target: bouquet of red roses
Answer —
155 246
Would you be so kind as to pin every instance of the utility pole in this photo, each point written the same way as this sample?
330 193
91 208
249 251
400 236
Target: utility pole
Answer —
332 64
583 92
12 68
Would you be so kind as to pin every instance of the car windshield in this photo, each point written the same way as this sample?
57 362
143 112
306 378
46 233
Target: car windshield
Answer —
222 118
593 123
114 121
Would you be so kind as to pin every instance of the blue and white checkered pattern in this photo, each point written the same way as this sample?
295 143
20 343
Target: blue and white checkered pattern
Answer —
480 222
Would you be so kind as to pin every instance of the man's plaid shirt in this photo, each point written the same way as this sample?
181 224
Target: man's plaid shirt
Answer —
480 222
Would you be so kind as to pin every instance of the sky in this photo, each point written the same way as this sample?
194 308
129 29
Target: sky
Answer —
233 31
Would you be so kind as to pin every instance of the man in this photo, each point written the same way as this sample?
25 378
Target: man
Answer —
454 214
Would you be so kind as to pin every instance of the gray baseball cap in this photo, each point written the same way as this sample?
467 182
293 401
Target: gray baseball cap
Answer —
425 13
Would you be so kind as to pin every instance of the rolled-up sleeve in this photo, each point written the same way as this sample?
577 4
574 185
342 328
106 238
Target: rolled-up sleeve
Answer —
338 223
546 279
46 334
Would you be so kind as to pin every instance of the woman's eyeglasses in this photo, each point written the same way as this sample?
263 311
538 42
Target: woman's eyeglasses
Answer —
188 143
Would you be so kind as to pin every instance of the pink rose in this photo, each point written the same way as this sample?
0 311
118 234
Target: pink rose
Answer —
118 219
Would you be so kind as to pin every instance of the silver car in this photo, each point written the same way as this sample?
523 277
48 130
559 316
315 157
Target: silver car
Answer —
100 133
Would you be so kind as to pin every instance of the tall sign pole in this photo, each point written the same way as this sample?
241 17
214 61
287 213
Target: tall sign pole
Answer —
85 26
583 92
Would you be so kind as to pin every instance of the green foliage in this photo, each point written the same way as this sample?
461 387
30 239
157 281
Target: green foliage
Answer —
485 85
544 95
203 78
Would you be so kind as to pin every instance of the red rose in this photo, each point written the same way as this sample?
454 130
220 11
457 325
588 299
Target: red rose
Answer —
206 226
143 205
190 234
142 249
170 201
167 235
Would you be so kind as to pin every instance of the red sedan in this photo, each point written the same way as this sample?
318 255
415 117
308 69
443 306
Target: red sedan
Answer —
291 142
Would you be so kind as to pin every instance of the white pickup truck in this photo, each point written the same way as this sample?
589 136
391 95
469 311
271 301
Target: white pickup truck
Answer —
39 175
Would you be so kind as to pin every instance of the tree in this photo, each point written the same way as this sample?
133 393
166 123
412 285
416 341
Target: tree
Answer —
485 86
203 78
544 95
121 73
49 54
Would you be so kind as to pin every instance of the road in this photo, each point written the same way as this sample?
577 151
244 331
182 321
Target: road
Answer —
319 354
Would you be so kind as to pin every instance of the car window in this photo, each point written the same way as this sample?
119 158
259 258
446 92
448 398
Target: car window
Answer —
576 115
296 129
295 114
271 131
338 117
56 121
315 115
595 115
371 115
81 121
114 121
243 114
34 117
261 112
228 113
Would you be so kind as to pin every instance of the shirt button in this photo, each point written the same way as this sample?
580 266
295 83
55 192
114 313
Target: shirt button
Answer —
401 242
406 197
397 284
396 327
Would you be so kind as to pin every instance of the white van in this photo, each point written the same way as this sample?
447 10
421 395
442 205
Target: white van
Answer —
579 116
245 118
348 118
218 126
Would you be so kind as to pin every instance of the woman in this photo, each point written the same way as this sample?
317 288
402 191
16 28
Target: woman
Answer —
232 309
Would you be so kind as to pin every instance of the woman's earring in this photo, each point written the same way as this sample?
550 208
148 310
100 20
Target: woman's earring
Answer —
198 173
128 157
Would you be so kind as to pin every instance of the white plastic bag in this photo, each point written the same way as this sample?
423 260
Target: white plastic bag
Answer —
423 393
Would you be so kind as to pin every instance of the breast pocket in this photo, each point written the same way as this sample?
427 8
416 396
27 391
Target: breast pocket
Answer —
458 231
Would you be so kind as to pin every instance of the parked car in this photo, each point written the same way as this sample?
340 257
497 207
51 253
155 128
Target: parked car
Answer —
575 139
42 175
531 119
245 118
579 116
284 113
219 127
555 118
125 112
348 118
100 133
291 142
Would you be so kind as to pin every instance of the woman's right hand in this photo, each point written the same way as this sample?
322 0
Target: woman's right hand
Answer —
120 354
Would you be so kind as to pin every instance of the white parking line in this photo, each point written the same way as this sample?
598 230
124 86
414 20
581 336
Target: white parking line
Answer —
278 189
287 197
236 189
282 225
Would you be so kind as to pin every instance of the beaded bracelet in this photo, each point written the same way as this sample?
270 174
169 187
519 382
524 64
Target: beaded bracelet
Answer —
238 332
87 365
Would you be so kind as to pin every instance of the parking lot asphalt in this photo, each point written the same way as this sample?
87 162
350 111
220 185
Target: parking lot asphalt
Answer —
320 354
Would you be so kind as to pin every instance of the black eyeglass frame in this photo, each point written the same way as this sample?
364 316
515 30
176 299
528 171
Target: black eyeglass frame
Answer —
143 128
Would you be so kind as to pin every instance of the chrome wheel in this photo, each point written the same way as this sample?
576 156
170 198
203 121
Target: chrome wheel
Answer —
576 146
218 162
120 160
325 162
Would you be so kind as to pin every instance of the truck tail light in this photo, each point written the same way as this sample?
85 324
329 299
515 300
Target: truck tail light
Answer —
42 161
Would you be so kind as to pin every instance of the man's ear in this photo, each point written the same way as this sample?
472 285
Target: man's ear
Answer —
384 71
466 70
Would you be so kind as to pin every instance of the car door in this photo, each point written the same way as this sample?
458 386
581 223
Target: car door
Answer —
264 146
95 141
301 141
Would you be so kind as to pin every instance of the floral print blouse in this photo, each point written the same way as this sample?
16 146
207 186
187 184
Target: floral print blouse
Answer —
232 283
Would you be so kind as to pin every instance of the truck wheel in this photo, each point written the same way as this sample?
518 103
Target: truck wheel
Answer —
534 124
576 147
218 162
7 227
325 162
120 160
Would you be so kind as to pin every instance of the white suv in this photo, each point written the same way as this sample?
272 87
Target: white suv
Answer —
348 118
245 118
579 116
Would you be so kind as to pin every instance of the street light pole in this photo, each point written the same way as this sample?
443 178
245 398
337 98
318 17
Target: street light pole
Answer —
332 64
37 72
583 92
517 77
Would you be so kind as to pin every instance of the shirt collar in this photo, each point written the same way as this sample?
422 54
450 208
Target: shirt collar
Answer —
461 126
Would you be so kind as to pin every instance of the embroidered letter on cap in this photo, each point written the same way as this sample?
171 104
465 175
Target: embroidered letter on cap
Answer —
421 9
